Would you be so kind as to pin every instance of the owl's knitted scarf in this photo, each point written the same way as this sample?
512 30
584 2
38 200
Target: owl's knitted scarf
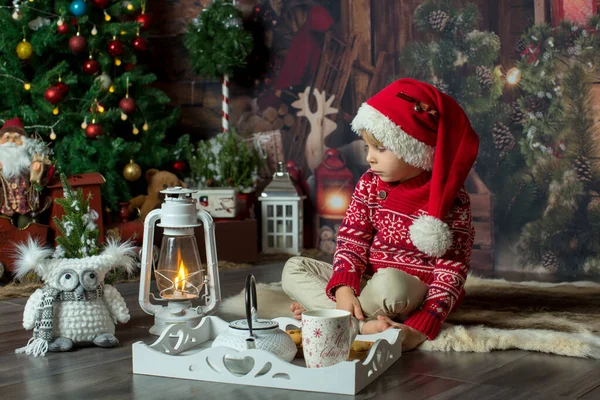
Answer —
44 316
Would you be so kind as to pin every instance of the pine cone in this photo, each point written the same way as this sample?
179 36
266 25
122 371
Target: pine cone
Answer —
516 115
520 46
537 104
583 169
504 141
484 76
550 261
438 20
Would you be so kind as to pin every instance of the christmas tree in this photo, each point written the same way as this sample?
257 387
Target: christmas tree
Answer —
460 60
72 70
217 44
558 66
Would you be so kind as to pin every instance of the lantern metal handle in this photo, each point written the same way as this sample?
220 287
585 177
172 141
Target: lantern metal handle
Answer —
147 248
251 302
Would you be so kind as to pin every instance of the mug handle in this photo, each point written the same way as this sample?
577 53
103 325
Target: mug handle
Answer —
250 300
354 327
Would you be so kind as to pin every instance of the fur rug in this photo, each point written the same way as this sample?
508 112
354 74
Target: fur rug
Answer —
557 318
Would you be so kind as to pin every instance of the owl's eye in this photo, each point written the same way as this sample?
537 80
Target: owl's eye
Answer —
89 279
68 280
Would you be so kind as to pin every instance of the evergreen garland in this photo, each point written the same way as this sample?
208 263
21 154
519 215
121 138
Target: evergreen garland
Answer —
461 60
558 66
216 40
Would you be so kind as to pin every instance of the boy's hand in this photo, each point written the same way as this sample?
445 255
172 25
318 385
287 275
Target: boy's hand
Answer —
346 300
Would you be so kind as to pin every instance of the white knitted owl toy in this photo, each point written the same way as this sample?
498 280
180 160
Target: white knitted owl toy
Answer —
74 306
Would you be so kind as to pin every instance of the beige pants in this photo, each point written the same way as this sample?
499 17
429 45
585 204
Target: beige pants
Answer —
389 292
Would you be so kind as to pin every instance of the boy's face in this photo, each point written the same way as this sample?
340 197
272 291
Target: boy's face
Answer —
386 164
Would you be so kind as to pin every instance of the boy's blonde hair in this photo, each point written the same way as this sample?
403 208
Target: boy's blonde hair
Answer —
368 137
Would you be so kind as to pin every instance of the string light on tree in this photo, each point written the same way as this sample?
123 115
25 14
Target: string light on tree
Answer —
84 124
135 130
52 134
94 31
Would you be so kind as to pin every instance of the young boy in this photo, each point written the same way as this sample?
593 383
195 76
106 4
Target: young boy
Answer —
404 247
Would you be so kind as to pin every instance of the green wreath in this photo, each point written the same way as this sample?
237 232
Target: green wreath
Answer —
216 40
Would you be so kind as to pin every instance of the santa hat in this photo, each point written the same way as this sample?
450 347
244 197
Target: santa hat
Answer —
429 130
13 125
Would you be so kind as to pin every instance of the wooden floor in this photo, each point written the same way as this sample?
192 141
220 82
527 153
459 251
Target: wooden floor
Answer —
94 373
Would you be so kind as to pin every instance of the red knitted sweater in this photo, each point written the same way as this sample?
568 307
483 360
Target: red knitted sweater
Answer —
375 234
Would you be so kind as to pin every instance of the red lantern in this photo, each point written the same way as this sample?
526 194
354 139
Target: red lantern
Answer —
63 29
62 88
52 95
93 131
144 19
127 105
575 11
140 44
115 48
91 66
77 44
335 185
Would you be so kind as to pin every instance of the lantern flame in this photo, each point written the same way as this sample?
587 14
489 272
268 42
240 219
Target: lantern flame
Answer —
181 277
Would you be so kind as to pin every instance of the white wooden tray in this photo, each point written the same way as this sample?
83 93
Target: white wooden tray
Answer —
185 353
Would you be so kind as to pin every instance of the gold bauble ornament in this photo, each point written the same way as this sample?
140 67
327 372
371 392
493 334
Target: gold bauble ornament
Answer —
24 50
132 172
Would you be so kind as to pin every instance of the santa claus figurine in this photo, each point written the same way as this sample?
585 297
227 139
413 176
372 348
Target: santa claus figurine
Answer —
24 166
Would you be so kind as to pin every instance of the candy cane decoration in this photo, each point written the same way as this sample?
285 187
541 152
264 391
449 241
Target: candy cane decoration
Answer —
225 103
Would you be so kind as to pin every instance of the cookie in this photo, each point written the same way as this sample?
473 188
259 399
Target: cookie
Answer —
296 335
359 350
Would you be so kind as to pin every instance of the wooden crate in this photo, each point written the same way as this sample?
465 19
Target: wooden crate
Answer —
482 206
10 236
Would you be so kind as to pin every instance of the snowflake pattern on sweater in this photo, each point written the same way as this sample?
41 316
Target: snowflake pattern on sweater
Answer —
375 234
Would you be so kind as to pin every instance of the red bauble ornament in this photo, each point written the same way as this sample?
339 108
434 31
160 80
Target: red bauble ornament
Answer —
179 166
100 3
93 131
52 95
127 105
62 88
63 29
129 67
90 67
140 44
115 48
144 19
77 44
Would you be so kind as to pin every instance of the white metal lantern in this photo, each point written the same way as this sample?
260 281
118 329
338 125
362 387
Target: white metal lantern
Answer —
179 275
282 217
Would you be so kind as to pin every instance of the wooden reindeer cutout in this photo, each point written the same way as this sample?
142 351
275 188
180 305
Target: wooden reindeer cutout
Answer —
320 126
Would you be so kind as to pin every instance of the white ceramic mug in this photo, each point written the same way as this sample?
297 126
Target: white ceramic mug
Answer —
327 336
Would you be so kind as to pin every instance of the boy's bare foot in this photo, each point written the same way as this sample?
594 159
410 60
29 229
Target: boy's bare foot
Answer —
297 309
377 325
